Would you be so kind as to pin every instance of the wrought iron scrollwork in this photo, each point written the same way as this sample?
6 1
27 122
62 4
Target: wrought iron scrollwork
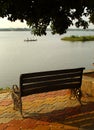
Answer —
76 94
16 98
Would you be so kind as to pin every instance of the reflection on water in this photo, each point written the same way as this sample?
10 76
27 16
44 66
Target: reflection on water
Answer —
47 53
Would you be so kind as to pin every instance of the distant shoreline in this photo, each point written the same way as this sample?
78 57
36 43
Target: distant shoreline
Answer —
48 29
15 29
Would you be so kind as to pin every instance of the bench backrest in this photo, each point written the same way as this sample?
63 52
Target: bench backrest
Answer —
38 82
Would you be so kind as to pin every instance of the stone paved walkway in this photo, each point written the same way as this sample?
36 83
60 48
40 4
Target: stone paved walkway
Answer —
47 111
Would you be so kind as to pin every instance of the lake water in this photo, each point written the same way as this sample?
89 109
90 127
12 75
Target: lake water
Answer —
47 53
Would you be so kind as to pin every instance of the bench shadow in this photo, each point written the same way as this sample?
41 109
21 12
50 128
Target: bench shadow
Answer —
79 116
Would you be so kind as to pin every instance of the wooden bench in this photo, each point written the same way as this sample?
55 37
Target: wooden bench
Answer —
39 82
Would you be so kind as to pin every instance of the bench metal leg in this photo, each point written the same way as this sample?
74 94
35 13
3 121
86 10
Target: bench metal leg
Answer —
76 93
79 95
16 99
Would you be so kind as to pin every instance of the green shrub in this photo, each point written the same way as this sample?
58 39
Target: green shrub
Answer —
78 38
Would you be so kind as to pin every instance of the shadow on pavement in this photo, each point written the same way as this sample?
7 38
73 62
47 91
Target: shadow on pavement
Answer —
79 116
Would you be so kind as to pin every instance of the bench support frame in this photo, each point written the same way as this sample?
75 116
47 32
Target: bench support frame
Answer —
17 95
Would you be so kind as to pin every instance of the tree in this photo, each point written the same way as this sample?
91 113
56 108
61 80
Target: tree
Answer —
58 14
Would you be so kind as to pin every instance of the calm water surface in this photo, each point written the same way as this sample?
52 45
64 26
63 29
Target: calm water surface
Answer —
47 53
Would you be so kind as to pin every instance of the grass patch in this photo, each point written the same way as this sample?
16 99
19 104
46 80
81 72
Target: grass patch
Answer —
74 38
7 89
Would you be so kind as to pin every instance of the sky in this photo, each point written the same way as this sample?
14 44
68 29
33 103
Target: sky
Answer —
4 23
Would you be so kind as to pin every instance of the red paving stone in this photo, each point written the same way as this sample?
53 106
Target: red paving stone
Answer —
19 124
12 128
3 126
28 123
15 123
5 103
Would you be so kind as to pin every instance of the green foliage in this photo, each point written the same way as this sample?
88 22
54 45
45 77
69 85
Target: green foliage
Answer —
39 14
1 89
5 89
78 38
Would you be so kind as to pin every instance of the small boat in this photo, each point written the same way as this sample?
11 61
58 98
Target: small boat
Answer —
30 40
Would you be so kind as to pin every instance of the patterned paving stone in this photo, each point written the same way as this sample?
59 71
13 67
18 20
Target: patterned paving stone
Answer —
47 111
4 120
41 127
12 128
66 127
2 109
5 103
56 126
3 126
